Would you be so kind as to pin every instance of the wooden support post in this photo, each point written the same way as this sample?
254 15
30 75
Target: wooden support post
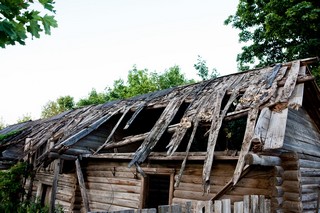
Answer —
254 159
82 186
54 185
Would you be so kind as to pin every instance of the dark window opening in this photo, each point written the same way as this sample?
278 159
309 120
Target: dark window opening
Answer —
42 149
68 166
157 190
200 141
231 134
180 113
163 142
234 103
144 121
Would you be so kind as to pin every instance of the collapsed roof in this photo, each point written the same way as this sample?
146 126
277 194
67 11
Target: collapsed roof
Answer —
180 111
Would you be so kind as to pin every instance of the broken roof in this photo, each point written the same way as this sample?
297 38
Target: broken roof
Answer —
209 101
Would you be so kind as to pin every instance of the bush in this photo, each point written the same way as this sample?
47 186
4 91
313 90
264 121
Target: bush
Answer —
12 191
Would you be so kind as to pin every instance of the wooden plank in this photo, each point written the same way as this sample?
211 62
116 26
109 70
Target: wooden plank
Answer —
114 129
262 202
217 118
82 186
189 116
187 153
188 207
238 207
198 156
170 208
247 140
171 188
217 206
246 203
254 159
158 129
54 185
267 206
254 203
260 131
76 137
296 97
276 130
226 206
229 184
290 83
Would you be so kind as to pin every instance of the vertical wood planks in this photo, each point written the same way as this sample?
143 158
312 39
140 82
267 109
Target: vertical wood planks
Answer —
82 186
161 125
251 120
260 131
217 206
238 207
170 209
276 130
290 82
226 206
296 98
217 118
54 185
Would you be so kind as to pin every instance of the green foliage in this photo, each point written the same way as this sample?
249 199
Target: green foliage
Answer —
93 98
2 124
11 187
24 118
18 19
171 78
203 70
53 108
138 82
8 135
12 191
276 31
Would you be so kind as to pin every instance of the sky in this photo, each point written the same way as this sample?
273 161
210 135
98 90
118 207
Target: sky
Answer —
99 41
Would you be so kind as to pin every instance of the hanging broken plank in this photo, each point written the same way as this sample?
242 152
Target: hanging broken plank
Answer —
290 83
296 98
127 109
158 129
189 117
247 140
216 123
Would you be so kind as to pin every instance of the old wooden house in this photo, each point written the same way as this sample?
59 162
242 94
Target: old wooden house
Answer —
254 132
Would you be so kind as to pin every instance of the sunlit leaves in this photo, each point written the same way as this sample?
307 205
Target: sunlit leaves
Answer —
276 31
18 21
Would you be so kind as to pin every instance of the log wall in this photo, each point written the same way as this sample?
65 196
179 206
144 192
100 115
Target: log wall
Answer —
258 181
112 186
65 188
302 169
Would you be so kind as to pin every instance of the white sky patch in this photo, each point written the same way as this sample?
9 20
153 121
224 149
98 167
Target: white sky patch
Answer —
99 41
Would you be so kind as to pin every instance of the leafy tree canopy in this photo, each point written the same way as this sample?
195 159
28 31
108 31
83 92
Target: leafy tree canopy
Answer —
24 118
203 70
2 124
93 98
276 31
138 82
53 108
18 19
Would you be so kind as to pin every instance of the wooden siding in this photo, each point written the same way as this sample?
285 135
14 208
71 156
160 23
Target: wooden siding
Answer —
302 169
65 189
113 186
302 135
